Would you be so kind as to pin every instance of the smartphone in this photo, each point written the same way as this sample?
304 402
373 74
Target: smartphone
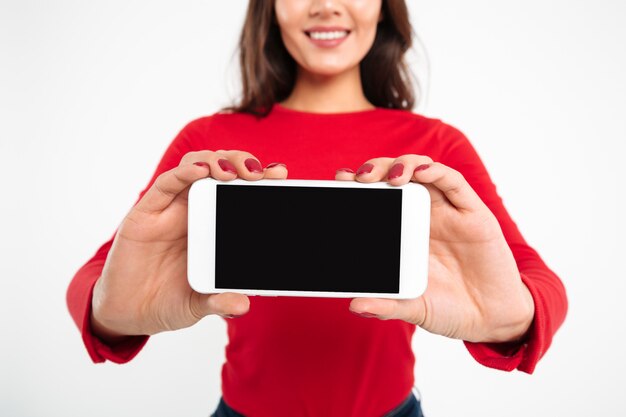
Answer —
311 238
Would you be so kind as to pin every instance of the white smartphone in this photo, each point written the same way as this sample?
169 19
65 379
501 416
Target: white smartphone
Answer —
311 238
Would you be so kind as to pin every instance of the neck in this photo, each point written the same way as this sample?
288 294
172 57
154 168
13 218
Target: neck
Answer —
318 93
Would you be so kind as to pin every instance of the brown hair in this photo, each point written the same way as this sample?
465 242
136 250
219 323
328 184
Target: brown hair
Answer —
268 71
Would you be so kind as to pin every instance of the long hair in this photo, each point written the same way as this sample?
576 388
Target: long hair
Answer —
268 71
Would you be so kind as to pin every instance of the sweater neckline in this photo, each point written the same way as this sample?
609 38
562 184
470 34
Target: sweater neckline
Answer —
281 109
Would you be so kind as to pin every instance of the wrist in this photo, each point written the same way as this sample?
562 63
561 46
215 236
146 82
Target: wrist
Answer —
107 335
98 324
518 326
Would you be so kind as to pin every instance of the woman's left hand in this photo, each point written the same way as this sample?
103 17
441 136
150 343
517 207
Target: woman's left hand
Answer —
474 291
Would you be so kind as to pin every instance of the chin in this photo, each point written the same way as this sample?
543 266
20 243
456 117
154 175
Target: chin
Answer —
329 70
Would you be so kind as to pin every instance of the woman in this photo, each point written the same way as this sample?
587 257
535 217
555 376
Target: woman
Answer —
325 88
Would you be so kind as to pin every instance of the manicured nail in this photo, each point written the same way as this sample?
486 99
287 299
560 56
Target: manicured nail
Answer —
395 171
201 164
227 166
253 165
231 316
345 170
422 167
365 169
364 314
275 164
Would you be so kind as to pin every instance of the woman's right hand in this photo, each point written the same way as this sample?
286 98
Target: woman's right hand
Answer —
143 288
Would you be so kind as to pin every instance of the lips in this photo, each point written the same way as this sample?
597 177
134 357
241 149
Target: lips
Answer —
337 34
327 36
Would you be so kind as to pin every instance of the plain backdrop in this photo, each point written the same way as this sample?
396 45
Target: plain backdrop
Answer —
92 92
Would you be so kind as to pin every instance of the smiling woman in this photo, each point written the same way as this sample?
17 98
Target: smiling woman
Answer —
280 56
325 90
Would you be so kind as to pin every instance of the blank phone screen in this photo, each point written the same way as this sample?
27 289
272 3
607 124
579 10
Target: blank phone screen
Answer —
308 238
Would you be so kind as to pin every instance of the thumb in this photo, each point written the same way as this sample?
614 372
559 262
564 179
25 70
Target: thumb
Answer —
410 310
228 304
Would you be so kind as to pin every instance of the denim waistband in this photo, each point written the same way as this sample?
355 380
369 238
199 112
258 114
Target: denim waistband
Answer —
410 407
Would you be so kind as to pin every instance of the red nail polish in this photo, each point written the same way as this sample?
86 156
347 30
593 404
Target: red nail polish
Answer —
345 170
253 165
201 164
364 314
227 166
422 167
365 169
275 164
231 316
395 171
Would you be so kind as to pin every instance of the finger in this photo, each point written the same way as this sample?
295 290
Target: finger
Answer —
194 156
275 171
344 174
401 169
373 170
410 310
228 304
170 184
220 167
247 165
449 182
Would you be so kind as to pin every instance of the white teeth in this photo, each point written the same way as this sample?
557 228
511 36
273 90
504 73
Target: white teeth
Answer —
329 35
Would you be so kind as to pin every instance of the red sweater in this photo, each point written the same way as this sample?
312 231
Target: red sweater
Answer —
312 354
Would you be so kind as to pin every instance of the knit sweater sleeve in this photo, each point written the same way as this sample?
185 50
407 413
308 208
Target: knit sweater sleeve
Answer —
544 285
80 290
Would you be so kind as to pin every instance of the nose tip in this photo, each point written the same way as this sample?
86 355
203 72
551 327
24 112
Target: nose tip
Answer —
324 8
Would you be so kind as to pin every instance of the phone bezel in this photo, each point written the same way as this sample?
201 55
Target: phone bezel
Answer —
415 233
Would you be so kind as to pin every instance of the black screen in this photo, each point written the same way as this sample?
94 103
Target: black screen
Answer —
308 238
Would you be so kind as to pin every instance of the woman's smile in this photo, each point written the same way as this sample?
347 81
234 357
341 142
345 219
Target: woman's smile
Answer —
327 37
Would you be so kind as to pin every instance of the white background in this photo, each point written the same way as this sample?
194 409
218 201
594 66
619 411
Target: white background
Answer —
92 93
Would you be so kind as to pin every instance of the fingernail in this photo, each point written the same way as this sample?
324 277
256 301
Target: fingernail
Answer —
201 164
345 170
275 164
364 314
253 165
365 169
422 167
227 166
231 316
395 171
